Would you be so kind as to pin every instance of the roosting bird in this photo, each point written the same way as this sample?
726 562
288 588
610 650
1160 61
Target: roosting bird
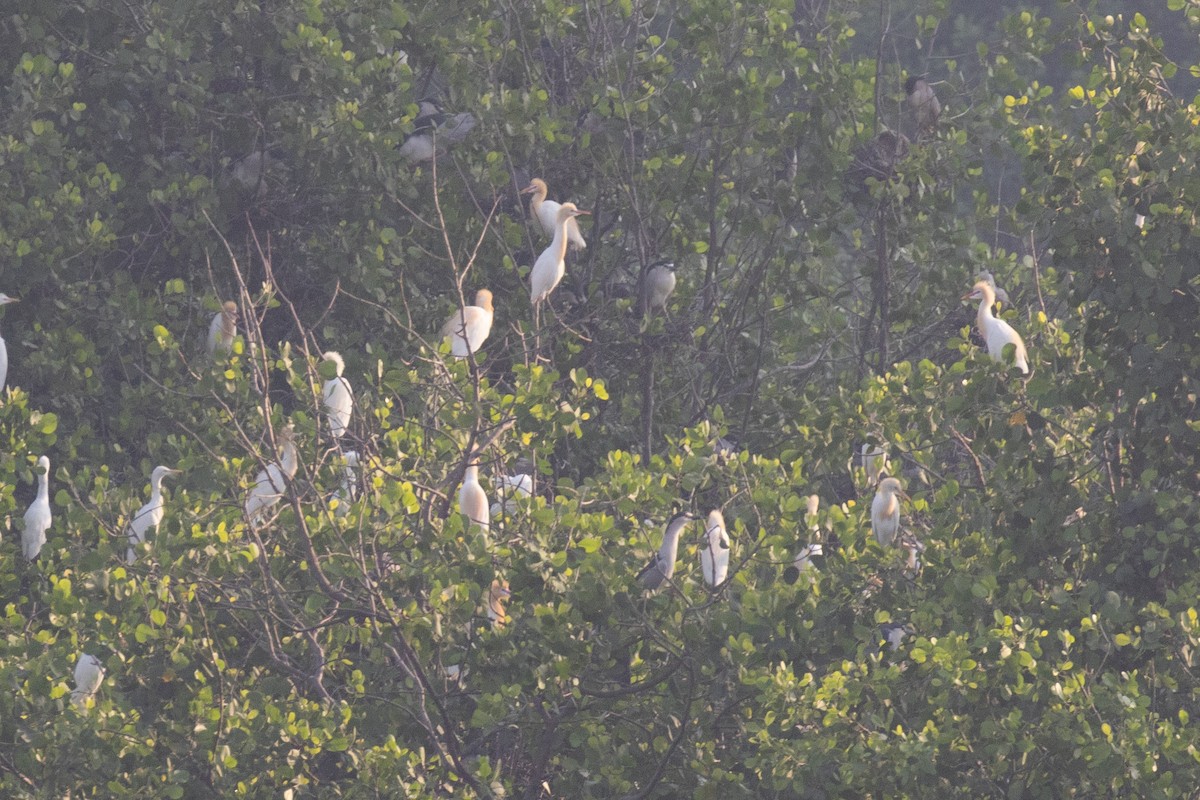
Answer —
468 329
885 511
551 265
271 483
660 284
546 213
996 332
148 516
223 330
4 300
89 673
37 517
922 102
714 557
472 500
337 397
662 565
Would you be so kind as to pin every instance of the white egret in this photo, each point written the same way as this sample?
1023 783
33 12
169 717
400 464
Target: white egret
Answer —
662 565
89 673
1001 295
546 213
498 594
468 329
223 330
550 266
472 500
996 332
270 483
915 547
714 556
511 487
348 490
893 633
660 283
885 511
37 517
4 300
874 462
148 516
804 559
922 102
337 397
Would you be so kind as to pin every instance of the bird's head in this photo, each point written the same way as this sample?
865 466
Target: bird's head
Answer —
483 299
569 210
981 291
229 309
161 472
336 358
43 464
892 486
5 299
535 185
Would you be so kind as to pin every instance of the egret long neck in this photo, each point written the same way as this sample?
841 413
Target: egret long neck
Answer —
559 244
44 486
670 545
535 202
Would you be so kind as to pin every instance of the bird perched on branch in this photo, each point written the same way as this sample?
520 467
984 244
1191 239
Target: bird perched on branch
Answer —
337 397
271 483
714 557
148 516
660 284
4 300
885 511
996 332
37 517
550 266
472 500
223 330
546 213
89 673
498 594
922 102
432 127
347 491
662 565
468 328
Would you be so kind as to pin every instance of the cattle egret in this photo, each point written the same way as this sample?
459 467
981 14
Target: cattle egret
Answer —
546 213
660 283
270 483
804 559
922 102
996 332
915 547
337 397
811 505
1001 295
37 518
472 500
4 300
348 490
662 566
714 556
223 330
885 511
874 462
148 516
89 672
893 633
498 593
511 487
468 329
550 266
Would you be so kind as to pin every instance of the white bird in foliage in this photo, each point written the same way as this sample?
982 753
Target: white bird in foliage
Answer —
804 559
4 300
468 329
511 487
885 511
498 594
660 284
714 556
472 500
271 483
996 332
38 518
223 330
546 213
662 565
348 490
550 266
874 461
148 516
337 397
89 673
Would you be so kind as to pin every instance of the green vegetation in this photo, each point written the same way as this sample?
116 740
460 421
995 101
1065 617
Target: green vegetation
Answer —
159 158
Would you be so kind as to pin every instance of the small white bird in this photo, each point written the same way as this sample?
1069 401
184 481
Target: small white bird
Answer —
223 330
498 593
660 283
874 462
1001 295
271 483
550 266
4 300
37 518
922 102
885 511
468 330
546 213
472 500
662 565
89 673
148 516
347 492
714 556
915 547
804 559
996 332
511 487
337 397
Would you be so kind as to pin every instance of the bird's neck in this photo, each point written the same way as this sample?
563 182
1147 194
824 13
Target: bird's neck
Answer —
535 202
559 245
43 487
985 314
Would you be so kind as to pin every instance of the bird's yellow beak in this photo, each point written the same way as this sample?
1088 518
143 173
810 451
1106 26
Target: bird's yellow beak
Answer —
580 212
528 189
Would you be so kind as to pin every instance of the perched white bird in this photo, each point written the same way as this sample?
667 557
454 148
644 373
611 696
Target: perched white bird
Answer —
4 300
885 511
662 565
472 500
714 556
660 283
37 518
468 330
223 330
498 593
812 504
915 547
996 332
348 490
546 213
271 483
893 633
89 673
148 516
922 102
1001 295
550 266
804 559
337 397
511 487
874 462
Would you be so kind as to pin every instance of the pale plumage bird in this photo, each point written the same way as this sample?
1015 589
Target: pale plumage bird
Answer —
38 518
551 265
148 516
511 487
922 102
472 500
996 332
271 483
893 633
468 329
1001 295
4 300
546 213
714 557
498 594
89 673
337 397
804 560
874 462
915 547
885 511
348 490
223 330
662 565
660 284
